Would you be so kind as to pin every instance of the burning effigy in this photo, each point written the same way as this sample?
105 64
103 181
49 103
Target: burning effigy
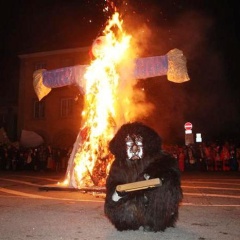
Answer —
108 91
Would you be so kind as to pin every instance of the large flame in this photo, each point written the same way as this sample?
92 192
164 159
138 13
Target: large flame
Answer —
102 113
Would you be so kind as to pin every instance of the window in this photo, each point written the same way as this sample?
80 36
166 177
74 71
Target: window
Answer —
66 107
39 109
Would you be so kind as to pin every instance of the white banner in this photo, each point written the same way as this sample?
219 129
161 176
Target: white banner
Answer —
30 139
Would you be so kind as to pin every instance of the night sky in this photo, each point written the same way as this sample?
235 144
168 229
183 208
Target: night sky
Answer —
206 31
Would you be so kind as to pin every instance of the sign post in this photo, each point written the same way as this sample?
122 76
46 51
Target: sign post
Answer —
188 133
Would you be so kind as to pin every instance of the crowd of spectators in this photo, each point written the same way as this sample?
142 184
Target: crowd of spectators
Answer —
200 156
213 156
40 158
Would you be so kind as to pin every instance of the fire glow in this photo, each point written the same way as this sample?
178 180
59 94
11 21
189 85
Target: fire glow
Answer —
92 159
111 98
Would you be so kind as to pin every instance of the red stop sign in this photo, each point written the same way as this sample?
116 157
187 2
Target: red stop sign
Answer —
188 126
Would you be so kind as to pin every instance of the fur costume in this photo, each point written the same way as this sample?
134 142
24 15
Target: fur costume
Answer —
138 156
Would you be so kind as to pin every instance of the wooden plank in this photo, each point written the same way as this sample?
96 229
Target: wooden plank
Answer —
134 186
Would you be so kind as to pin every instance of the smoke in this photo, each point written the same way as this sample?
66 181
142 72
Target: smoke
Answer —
208 93
168 106
137 107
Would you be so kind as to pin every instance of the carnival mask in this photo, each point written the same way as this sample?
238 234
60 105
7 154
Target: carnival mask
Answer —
134 147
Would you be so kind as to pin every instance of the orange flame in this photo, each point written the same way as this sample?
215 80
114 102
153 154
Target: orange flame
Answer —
101 112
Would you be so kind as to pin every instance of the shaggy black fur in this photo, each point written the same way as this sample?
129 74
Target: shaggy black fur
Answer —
152 209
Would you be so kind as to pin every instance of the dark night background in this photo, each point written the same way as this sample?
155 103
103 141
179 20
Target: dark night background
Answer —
206 31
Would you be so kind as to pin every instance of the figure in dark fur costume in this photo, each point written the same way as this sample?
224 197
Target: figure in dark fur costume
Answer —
139 156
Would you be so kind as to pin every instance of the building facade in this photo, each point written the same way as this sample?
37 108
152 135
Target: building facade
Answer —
57 117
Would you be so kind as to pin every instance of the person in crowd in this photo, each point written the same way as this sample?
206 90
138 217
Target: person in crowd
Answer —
35 159
201 158
57 159
233 158
208 151
43 155
181 159
225 156
191 157
217 160
238 157
3 156
50 161
20 158
29 159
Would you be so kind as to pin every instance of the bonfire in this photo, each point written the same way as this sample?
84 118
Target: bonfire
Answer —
107 83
